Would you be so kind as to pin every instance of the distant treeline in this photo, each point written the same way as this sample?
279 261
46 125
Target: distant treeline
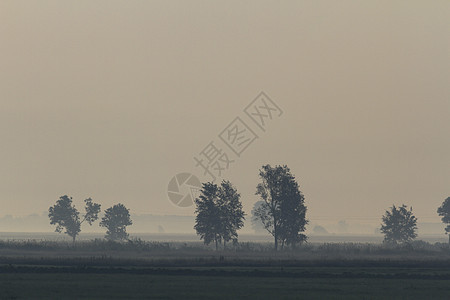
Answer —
143 223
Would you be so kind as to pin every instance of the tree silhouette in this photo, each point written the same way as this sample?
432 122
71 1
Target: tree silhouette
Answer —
232 215
282 212
399 225
257 225
207 211
444 212
115 220
219 213
65 216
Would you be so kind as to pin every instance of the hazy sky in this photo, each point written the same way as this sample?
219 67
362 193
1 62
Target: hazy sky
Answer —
110 99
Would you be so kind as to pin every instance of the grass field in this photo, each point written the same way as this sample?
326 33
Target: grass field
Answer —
215 283
145 270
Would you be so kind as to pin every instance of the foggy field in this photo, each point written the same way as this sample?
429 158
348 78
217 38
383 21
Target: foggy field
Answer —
137 269
138 252
184 237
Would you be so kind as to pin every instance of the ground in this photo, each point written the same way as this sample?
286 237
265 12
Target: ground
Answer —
147 270
303 283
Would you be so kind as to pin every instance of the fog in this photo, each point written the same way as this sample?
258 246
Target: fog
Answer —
111 99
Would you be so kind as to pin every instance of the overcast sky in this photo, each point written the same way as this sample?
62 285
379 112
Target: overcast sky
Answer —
110 99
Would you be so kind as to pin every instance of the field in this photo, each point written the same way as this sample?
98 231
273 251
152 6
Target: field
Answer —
98 269
195 284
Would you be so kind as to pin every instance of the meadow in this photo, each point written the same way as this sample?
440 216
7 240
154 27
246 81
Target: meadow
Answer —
137 269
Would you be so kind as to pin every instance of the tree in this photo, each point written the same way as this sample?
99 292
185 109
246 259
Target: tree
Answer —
115 220
231 211
283 212
65 216
207 214
444 212
399 225
219 213
257 225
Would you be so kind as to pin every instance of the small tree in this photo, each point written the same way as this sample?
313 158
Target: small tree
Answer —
444 212
65 216
115 220
219 213
283 212
399 225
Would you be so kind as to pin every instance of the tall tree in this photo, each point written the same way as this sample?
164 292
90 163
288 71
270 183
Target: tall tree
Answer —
444 212
116 220
399 225
219 213
231 211
293 220
65 216
283 212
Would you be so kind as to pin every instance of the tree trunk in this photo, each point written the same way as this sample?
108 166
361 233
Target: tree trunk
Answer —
73 241
224 244
276 241
275 235
216 243
449 240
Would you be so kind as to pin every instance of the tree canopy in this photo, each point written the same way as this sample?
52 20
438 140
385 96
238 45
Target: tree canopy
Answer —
444 212
283 212
66 217
399 225
116 220
219 213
